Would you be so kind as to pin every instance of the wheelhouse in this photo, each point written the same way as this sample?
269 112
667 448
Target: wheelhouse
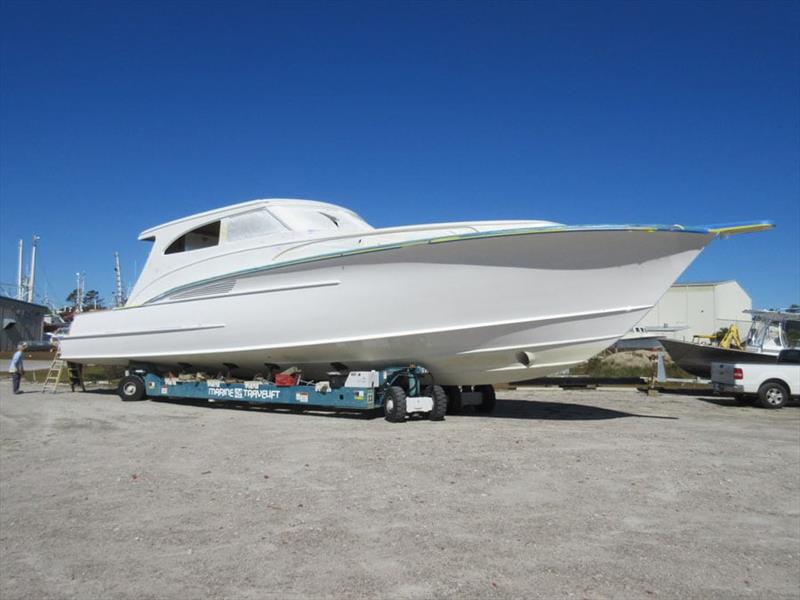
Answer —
269 219
235 230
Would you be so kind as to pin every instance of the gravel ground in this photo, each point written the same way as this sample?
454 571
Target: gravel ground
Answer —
577 494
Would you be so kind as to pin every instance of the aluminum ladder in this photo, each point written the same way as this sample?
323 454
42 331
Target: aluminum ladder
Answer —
53 379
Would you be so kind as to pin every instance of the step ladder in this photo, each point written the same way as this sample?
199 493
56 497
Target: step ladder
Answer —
57 367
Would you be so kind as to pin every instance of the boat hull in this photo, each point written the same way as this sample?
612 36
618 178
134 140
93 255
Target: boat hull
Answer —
697 358
487 309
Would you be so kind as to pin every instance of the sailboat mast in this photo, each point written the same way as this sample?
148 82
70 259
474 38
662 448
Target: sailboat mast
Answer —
119 295
32 277
20 290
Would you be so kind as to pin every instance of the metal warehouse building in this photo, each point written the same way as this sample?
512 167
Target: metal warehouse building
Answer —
21 321
700 309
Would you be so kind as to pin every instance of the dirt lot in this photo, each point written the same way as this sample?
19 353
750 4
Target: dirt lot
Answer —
580 494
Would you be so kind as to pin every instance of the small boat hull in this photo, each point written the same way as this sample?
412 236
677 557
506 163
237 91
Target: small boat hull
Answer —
697 358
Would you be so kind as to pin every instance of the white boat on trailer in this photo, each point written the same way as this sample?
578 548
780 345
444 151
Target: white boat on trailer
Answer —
310 284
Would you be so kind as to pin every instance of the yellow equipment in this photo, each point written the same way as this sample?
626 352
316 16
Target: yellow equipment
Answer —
732 339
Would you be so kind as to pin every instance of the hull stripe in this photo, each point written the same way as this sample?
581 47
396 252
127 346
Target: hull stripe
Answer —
553 229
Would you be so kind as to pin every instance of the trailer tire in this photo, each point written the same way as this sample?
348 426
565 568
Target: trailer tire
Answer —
454 405
489 399
439 402
394 404
773 394
131 388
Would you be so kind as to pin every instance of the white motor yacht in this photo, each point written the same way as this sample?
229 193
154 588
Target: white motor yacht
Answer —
309 284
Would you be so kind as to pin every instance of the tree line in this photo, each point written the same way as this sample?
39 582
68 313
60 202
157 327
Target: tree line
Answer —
91 299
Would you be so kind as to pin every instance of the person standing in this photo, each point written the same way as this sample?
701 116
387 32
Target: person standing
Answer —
17 368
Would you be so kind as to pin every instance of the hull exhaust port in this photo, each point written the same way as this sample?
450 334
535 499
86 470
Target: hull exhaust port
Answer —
526 359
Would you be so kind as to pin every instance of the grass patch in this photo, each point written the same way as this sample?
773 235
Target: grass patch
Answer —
635 363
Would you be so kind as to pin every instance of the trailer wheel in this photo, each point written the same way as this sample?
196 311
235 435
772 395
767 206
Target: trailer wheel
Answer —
489 398
439 402
394 404
453 399
773 394
131 388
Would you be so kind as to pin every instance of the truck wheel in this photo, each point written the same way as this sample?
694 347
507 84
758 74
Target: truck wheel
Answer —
394 404
489 399
131 388
453 399
439 402
773 394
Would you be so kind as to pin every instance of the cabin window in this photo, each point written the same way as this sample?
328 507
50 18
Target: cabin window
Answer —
251 224
202 237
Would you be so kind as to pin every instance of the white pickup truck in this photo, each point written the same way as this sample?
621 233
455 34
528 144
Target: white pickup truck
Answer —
770 384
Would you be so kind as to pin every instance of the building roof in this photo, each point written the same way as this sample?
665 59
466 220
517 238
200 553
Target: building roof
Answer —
23 303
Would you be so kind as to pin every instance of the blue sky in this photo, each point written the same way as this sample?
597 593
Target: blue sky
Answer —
116 116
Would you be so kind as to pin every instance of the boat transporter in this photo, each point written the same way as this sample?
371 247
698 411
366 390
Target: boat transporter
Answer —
400 392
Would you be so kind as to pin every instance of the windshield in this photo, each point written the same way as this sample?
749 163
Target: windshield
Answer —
303 218
755 336
255 223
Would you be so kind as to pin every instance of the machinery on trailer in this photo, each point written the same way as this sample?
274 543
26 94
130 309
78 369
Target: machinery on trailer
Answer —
399 391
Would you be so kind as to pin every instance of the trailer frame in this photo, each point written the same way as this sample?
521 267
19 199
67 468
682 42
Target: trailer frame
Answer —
401 391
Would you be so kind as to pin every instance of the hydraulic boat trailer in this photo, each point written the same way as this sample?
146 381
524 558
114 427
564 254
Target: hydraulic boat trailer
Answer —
400 391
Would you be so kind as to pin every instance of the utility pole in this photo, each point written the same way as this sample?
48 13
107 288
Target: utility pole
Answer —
119 295
20 290
32 278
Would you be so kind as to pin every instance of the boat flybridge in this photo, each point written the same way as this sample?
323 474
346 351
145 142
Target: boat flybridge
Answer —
310 284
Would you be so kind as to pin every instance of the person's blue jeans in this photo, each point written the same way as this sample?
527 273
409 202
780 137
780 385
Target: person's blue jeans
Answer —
15 377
